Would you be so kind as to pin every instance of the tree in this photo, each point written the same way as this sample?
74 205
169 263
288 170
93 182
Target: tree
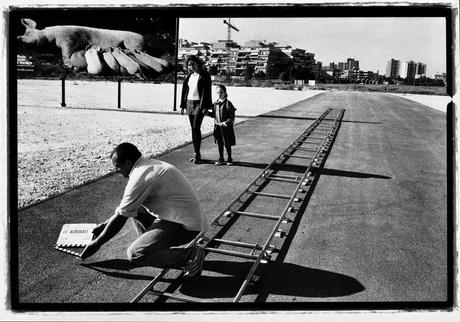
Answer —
213 70
260 75
248 72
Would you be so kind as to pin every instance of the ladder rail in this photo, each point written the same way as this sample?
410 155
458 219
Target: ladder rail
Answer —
263 250
260 176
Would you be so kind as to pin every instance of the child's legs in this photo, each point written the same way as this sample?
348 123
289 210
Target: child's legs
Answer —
220 145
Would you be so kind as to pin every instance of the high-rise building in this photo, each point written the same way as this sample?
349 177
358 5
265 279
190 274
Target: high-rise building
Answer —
411 70
352 64
421 69
393 68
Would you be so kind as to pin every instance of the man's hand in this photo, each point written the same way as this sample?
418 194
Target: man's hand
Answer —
98 230
90 250
103 233
223 124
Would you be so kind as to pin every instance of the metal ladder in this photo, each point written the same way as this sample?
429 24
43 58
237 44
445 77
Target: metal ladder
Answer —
311 148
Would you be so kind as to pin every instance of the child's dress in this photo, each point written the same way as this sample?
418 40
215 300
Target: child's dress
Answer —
223 111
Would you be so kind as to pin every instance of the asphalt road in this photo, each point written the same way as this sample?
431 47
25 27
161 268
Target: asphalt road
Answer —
373 230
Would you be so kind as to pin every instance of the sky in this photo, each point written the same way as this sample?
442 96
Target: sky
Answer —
371 41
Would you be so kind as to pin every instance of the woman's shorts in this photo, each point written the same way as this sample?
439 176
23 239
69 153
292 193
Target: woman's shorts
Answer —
193 107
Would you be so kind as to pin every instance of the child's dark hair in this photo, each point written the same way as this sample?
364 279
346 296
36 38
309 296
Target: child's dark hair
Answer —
223 88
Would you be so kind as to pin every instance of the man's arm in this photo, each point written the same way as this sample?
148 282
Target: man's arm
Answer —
112 227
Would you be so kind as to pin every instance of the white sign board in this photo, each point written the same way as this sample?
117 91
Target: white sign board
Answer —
75 235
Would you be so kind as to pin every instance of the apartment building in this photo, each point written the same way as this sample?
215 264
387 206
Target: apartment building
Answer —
415 70
393 68
186 48
420 69
352 64
411 69
233 59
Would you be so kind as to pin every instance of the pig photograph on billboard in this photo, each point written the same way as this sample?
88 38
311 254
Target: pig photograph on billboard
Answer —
95 44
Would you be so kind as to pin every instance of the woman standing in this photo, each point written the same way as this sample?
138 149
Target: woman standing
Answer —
196 100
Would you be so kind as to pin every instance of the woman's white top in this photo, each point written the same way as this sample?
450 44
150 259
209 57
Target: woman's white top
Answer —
193 87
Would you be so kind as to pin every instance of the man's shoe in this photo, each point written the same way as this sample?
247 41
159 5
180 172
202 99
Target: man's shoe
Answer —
219 162
229 162
194 265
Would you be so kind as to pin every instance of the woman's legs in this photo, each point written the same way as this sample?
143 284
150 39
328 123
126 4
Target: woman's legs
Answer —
229 153
195 124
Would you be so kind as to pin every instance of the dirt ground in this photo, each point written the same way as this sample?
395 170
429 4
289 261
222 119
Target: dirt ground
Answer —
59 148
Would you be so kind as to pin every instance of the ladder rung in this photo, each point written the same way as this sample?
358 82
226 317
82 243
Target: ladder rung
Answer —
182 298
150 285
237 243
316 140
230 253
285 177
256 215
315 137
299 156
272 195
283 180
305 149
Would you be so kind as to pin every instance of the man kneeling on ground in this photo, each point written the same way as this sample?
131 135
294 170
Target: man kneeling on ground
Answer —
164 209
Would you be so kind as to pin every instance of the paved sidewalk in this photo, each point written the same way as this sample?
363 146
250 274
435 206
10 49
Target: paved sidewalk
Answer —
374 229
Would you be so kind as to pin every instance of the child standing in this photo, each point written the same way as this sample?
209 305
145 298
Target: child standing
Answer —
223 113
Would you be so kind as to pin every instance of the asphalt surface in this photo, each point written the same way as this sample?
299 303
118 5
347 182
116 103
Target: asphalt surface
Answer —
373 230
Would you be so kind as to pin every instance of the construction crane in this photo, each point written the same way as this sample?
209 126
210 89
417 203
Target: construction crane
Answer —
229 39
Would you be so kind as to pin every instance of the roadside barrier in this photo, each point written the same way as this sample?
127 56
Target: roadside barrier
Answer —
119 80
311 148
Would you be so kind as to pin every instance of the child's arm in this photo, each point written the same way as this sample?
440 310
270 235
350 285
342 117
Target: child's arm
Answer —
231 114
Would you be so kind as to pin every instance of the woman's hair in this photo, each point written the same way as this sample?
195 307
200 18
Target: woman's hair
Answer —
223 88
126 151
196 60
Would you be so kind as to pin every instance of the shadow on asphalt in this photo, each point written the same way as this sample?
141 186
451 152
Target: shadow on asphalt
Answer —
287 117
352 174
116 268
361 122
278 278
284 279
238 164
310 119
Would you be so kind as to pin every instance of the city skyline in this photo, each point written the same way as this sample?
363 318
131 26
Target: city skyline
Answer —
336 39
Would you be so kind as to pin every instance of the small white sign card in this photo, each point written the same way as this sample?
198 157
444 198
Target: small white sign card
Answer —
74 235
